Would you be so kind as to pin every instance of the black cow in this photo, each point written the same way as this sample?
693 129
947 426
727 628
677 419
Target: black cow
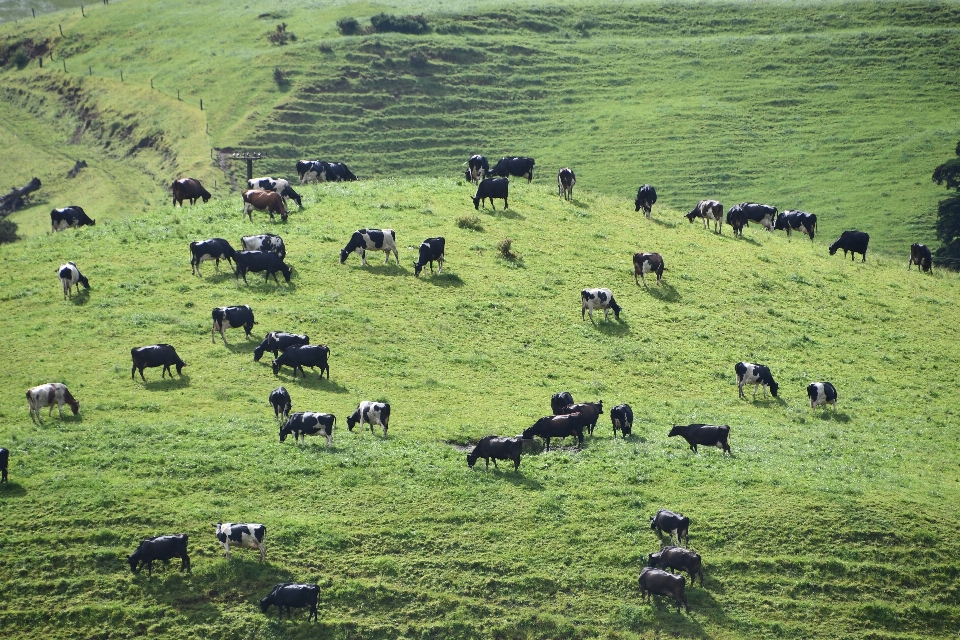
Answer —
743 214
279 185
492 188
430 249
338 172
213 249
304 355
622 418
678 559
308 423
4 463
264 242
794 219
755 374
673 523
565 181
161 548
822 393
662 583
560 426
920 256
371 413
231 318
72 216
520 167
289 595
591 412
155 355
257 261
479 167
280 399
646 198
559 401
247 535
498 449
709 435
853 241
278 342
644 263
364 240
188 189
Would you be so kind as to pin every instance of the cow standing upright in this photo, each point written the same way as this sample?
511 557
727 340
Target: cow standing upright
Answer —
646 198
279 341
709 435
793 219
314 171
213 249
52 394
161 548
70 276
673 524
822 393
920 256
479 167
4 463
309 423
278 185
560 426
708 210
757 375
520 167
591 299
744 213
247 535
280 400
590 411
491 188
853 241
662 583
257 261
264 242
231 318
371 413
304 355
644 263
364 240
155 355
430 249
560 401
289 595
261 200
622 418
493 447
188 189
66 217
565 181
678 559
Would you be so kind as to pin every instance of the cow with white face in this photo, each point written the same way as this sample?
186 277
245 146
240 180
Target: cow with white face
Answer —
242 535
822 394
371 413
70 276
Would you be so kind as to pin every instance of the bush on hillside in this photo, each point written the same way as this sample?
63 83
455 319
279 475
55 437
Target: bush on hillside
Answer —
20 58
280 35
505 249
348 26
385 22
8 231
470 222
418 59
280 76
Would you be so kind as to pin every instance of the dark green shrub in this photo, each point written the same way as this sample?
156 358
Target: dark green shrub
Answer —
21 58
348 26
384 22
8 231
470 222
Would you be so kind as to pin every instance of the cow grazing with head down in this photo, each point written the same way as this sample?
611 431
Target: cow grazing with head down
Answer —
560 401
430 249
790 220
671 523
920 256
496 448
257 261
261 200
646 198
708 210
289 595
520 167
744 213
308 423
364 240
560 426
757 375
71 277
247 535
188 189
72 216
622 418
490 188
644 263
304 355
853 241
662 583
231 318
565 181
591 412
709 435
370 413
280 400
822 394
264 242
278 185
50 395
678 559
591 299
479 167
278 342
4 463
155 355
161 548
338 172
213 249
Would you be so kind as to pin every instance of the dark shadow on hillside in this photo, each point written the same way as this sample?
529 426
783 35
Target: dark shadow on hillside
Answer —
81 298
11 490
446 280
669 224
258 284
389 269
317 384
518 479
243 345
505 213
165 384
613 327
834 417
217 276
579 204
748 240
664 292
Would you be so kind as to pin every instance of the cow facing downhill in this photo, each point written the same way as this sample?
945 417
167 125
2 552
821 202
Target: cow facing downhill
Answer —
364 240
646 198
155 355
430 249
52 394
920 256
248 535
280 400
188 189
853 241
496 448
708 210
622 418
491 188
71 277
822 394
678 559
663 583
674 524
213 249
293 595
231 318
261 200
66 217
565 181
644 263
757 375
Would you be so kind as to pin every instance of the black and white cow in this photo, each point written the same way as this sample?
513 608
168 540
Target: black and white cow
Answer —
709 435
644 263
520 167
755 374
264 242
491 188
565 181
314 171
308 423
231 318
671 523
257 261
479 167
304 355
822 394
72 216
794 219
4 463
622 418
338 172
560 401
371 413
161 548
430 249
678 559
853 241
279 185
498 449
646 198
52 394
663 583
708 210
213 249
364 240
280 399
744 213
278 342
591 299
70 276
920 256
247 535
289 595
155 355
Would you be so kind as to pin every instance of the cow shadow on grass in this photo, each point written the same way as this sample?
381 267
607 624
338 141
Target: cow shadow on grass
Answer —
669 224
504 213
446 280
746 239
318 384
664 292
165 384
218 276
517 478
830 416
385 269
613 327
12 490
81 298
245 346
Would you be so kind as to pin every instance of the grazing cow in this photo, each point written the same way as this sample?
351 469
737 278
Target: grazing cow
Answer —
280 399
662 583
920 256
559 401
155 355
364 240
793 219
709 435
242 535
338 172
737 219
278 342
257 261
188 189
678 559
498 449
644 263
853 241
622 418
372 413
492 188
279 185
213 249
314 171
70 276
308 423
261 200
591 412
72 216
231 318
822 393
520 167
646 198
48 395
744 213
4 463
560 426
289 595
479 167
755 374
565 181
673 523
591 299
708 210
264 242
430 249
161 548
304 355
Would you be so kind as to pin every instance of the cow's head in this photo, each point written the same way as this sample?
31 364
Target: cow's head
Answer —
353 420
258 353
834 247
276 367
476 203
75 406
265 604
180 365
471 459
654 559
286 271
774 387
417 267
343 255
653 523
283 433
134 561
677 430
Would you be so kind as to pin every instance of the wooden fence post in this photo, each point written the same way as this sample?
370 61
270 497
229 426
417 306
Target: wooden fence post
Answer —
64 64
34 11
201 104
61 28
121 75
81 12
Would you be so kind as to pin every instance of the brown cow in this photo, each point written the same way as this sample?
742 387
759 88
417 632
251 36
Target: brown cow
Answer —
188 189
263 200
920 256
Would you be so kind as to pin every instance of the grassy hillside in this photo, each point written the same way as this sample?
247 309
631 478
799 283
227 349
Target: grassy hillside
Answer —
820 525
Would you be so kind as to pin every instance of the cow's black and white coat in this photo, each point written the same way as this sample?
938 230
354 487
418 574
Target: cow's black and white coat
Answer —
304 355
70 276
371 413
364 240
671 523
430 249
278 342
757 375
479 167
278 185
622 418
520 167
565 181
247 535
280 400
66 217
308 423
644 263
794 219
920 256
591 299
213 249
746 212
231 318
708 210
853 241
646 198
264 242
822 394
257 261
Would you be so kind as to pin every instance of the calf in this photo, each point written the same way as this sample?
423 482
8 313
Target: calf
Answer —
520 167
622 418
559 401
161 548
48 395
70 276
560 426
793 219
853 241
278 342
155 355
755 374
708 210
263 201
231 318
277 185
188 189
678 559
709 435
293 595
371 413
257 261
591 299
242 535
4 463
565 181
644 263
662 583
304 355
430 249
498 449
479 167
213 249
307 423
673 523
591 412
264 242
492 188
66 217
280 399
920 256
646 198
364 240
822 393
